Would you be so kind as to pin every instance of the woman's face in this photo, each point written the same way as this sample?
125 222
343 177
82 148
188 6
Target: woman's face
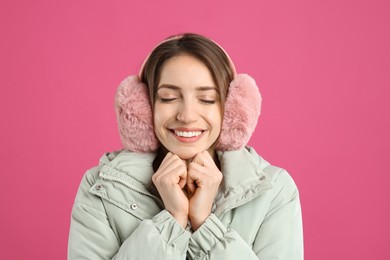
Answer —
187 109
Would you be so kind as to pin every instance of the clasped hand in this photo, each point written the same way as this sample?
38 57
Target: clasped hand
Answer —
188 189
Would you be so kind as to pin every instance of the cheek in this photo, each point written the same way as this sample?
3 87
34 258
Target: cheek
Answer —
215 119
161 114
156 117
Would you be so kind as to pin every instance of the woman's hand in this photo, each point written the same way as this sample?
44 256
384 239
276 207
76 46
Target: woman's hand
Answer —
203 180
170 180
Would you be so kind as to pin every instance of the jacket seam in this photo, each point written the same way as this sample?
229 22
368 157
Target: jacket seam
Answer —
90 206
104 213
257 193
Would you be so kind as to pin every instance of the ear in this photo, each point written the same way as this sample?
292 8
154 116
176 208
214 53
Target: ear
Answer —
134 116
242 110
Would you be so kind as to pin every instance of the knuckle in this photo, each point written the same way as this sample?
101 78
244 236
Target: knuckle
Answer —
217 178
156 178
156 181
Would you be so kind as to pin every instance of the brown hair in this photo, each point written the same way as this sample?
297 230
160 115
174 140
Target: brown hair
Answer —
197 46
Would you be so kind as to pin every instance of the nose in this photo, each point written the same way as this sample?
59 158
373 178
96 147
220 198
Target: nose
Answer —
187 113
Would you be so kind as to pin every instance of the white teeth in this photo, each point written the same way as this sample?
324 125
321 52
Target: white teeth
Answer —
187 134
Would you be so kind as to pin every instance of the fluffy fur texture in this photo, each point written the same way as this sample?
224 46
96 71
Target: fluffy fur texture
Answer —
134 115
242 110
135 119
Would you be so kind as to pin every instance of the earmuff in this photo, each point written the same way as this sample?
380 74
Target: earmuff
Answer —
135 118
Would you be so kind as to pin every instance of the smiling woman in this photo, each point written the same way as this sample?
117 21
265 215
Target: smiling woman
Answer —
186 186
187 111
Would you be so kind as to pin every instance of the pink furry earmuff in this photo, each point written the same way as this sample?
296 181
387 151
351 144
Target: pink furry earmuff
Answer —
242 110
135 119
134 115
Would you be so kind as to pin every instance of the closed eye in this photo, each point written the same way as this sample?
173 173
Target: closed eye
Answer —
167 100
207 101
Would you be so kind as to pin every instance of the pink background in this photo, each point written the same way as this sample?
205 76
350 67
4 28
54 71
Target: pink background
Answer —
322 67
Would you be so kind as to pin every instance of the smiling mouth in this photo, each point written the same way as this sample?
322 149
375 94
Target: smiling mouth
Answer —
187 134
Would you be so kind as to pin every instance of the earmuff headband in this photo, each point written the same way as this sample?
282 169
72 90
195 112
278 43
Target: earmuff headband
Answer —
177 37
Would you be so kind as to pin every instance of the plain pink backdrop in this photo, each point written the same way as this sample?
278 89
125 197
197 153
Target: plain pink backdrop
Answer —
322 68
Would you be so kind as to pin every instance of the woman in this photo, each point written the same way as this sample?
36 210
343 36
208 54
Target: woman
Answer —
186 186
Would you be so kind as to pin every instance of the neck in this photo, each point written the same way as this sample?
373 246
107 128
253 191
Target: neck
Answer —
162 152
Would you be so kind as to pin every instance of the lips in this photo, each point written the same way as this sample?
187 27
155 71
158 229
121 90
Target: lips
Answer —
187 135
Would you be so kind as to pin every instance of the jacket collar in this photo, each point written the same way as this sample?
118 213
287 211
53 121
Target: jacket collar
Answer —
243 178
241 168
243 175
136 167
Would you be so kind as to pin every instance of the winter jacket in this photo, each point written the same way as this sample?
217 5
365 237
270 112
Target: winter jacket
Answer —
256 215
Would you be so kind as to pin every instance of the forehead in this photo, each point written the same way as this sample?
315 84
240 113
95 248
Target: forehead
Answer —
185 71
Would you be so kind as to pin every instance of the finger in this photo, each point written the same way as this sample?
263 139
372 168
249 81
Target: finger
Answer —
196 167
203 176
178 171
170 165
196 173
199 159
207 159
163 163
191 186
192 178
174 173
204 158
182 182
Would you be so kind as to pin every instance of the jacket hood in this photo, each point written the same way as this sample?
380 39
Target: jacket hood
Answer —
137 166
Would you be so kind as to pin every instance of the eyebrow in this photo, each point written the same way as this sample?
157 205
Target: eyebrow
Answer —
201 88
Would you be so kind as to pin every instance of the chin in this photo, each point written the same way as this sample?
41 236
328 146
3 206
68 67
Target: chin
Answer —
185 154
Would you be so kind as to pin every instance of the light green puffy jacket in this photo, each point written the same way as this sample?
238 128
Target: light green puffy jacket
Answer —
257 214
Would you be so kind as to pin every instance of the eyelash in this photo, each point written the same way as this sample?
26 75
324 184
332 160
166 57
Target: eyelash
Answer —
168 100
210 102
